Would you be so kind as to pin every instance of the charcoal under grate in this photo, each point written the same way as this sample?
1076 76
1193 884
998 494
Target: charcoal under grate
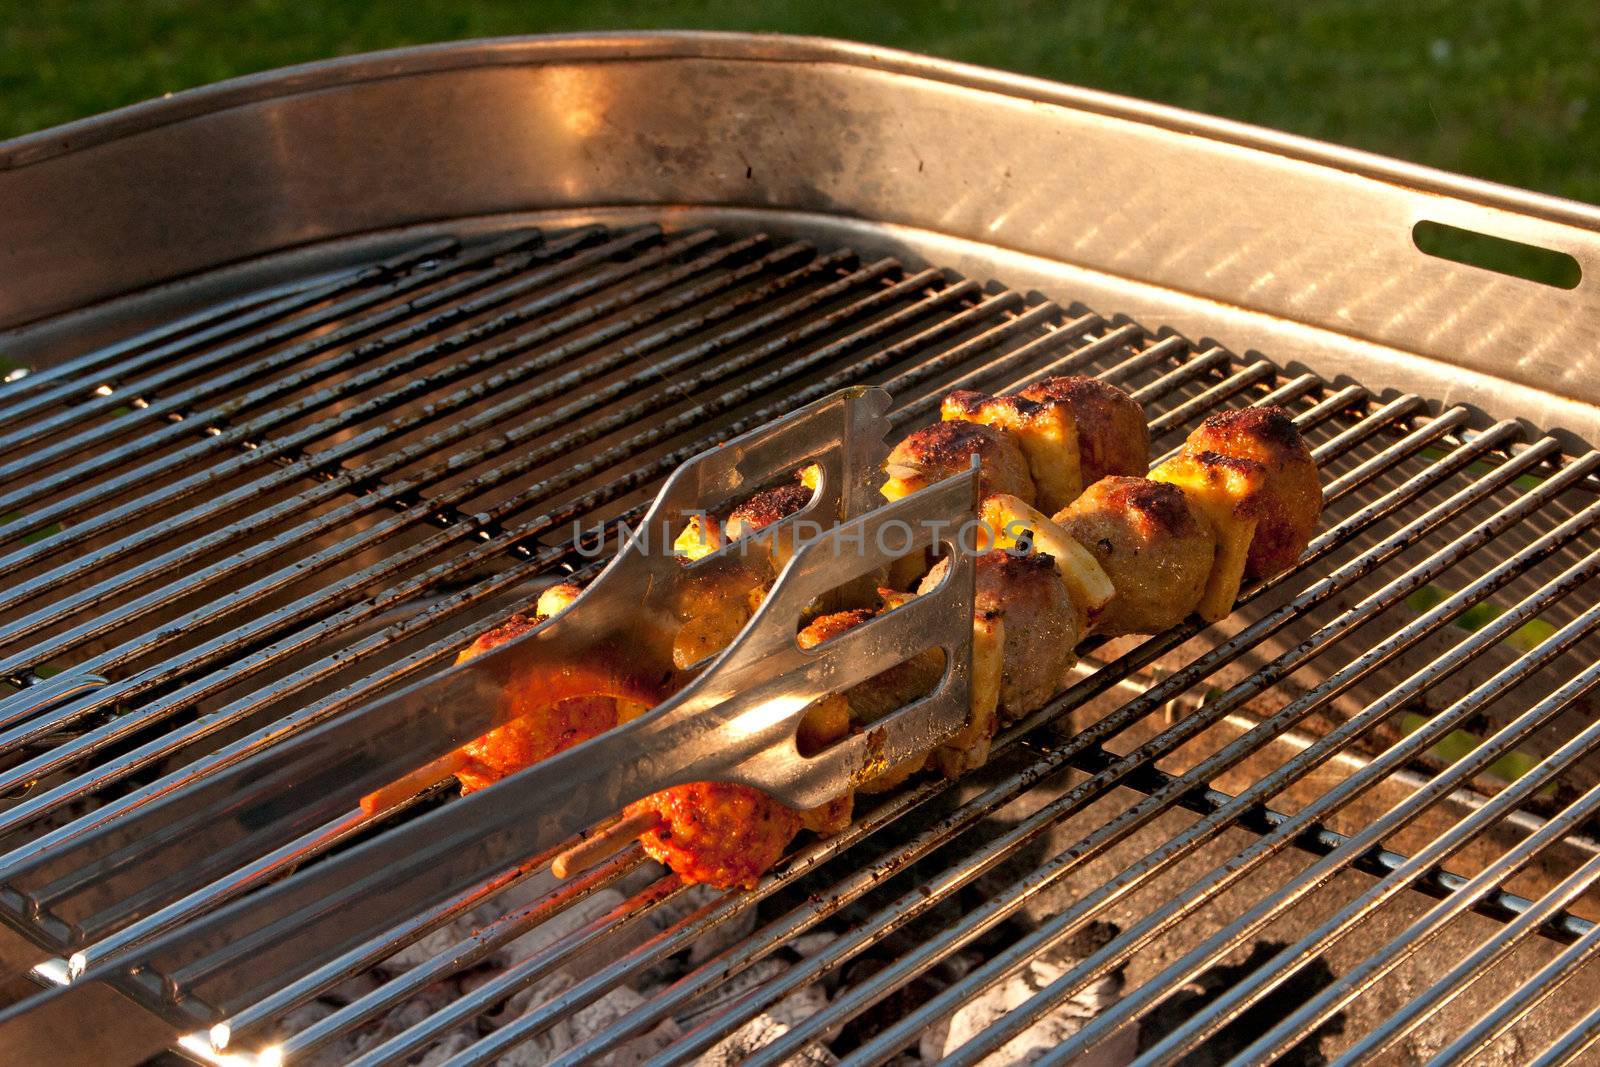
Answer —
1355 818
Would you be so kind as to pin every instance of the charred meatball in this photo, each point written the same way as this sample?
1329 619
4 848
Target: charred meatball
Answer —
1290 505
719 833
1153 545
876 697
543 731
765 508
1042 625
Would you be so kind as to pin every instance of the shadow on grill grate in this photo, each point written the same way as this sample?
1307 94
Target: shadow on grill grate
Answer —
239 526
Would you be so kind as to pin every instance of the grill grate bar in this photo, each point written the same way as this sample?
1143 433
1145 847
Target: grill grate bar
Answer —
1446 844
27 856
586 992
836 897
1511 1010
1230 386
214 323
668 462
1148 651
1402 405
523 974
167 668
138 684
682 934
178 409
1171 791
1213 359
1319 839
481 943
1164 790
1550 907
1067 334
1078 360
1572 1044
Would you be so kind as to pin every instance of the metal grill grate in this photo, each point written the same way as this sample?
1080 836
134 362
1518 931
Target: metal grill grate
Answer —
238 525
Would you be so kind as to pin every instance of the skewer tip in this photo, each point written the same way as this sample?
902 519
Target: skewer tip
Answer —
605 841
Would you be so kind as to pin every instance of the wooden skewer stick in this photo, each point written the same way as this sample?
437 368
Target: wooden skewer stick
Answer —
606 841
414 782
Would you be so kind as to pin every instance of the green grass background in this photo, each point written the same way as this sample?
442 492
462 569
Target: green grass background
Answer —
1500 89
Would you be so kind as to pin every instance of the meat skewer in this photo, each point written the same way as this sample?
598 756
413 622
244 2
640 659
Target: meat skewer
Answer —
1122 554
605 841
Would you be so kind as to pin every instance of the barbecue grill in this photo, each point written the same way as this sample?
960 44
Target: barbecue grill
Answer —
313 376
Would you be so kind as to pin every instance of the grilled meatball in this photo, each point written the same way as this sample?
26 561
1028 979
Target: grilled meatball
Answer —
1291 505
1112 435
1042 625
717 607
542 732
1153 545
719 833
765 508
779 502
936 452
825 722
876 697
713 607
704 534
526 740
762 510
725 834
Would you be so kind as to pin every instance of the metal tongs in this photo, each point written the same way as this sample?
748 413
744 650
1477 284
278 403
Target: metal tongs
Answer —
735 720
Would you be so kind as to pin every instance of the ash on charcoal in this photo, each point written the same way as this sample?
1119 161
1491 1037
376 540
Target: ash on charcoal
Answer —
723 935
1051 1029
730 990
463 926
446 1047
807 945
350 1046
593 957
913 994
580 1026
770 1025
307 1015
